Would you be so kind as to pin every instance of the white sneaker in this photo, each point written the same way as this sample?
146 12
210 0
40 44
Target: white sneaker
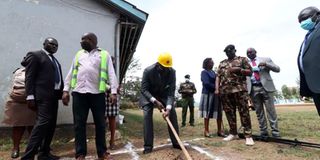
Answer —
249 141
230 137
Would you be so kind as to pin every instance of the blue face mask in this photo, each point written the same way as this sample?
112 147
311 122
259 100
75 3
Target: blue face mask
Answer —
307 24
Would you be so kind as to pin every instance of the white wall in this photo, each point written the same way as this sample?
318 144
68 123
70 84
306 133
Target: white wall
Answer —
26 23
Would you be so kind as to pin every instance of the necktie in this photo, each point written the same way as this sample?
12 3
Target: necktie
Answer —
255 73
56 71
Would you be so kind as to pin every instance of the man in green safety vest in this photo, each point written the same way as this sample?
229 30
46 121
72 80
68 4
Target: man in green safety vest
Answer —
88 79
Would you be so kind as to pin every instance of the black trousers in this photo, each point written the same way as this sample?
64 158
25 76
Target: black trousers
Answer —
316 99
148 126
43 131
80 107
305 91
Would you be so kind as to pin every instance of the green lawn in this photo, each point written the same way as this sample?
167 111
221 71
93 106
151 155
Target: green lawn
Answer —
294 122
302 124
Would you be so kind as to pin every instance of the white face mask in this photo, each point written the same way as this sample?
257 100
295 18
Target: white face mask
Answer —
187 80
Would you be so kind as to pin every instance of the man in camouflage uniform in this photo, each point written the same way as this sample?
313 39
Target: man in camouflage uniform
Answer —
231 85
187 89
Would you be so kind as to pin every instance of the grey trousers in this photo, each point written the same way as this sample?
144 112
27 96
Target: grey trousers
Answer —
148 126
261 98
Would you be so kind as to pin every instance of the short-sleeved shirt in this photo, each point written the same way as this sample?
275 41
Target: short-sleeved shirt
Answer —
232 82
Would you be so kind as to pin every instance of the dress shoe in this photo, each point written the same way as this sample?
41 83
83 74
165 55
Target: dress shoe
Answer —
105 156
48 156
176 146
81 157
191 124
15 153
208 135
147 151
221 134
276 136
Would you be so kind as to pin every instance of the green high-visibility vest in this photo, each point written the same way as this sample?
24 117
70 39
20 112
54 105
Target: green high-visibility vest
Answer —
103 70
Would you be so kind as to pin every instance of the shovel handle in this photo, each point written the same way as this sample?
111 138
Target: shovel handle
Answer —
185 152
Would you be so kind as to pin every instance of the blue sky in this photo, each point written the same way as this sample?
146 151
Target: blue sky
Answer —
194 30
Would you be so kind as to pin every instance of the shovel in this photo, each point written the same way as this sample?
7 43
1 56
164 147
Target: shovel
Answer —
185 152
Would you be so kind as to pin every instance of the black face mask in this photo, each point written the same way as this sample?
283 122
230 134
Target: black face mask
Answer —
251 55
86 46
231 54
163 70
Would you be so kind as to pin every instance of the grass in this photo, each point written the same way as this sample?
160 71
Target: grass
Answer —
133 126
301 123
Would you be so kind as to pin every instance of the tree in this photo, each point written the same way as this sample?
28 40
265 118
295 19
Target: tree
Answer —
131 89
131 83
294 92
285 92
134 66
278 95
290 92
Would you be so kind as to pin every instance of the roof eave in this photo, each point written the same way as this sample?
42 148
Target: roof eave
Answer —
128 9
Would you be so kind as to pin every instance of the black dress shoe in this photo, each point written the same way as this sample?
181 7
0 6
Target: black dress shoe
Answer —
48 157
15 154
146 151
276 136
221 135
176 146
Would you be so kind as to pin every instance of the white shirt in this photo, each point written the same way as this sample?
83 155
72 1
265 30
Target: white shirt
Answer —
88 76
253 79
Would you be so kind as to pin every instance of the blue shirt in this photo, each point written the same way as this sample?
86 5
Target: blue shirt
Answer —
208 78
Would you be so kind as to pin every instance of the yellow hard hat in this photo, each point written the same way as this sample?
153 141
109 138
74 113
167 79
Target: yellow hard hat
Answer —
165 59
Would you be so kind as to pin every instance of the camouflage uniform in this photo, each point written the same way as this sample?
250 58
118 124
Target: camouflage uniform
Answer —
233 93
187 89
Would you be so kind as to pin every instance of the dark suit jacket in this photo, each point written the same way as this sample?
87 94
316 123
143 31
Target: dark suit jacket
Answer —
40 74
159 86
310 79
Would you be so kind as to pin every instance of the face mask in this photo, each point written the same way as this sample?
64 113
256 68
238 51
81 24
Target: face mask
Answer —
187 80
307 24
251 55
231 54
86 46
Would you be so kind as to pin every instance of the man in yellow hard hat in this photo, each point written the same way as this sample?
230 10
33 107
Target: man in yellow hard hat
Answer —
157 90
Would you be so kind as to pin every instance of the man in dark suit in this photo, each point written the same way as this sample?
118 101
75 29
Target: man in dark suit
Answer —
157 89
44 86
309 55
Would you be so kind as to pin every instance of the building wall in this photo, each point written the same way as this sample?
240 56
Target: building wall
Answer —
26 23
